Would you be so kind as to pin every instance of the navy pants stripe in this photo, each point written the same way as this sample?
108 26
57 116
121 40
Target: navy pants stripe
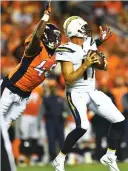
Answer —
74 110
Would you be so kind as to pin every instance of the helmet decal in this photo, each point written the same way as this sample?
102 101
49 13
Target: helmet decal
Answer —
69 21
52 36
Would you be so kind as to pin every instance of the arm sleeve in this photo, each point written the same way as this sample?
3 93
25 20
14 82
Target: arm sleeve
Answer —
32 49
62 56
35 50
33 54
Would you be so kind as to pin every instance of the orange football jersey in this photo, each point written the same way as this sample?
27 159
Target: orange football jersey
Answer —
34 102
32 70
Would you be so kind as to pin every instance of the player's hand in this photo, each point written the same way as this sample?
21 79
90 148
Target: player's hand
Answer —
91 58
105 33
48 8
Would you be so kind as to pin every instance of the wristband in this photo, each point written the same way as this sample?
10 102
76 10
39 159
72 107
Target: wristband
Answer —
45 17
98 42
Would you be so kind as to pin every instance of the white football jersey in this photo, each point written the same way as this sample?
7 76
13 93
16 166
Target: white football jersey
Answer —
76 54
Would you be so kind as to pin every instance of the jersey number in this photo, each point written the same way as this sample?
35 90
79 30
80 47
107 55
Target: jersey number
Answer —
86 72
41 69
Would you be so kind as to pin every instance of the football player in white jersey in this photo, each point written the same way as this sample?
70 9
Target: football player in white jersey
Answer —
76 64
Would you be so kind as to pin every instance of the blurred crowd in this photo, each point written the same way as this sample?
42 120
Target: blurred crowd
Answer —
49 125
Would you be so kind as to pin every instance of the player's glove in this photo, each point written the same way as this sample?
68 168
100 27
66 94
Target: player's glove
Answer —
105 33
47 8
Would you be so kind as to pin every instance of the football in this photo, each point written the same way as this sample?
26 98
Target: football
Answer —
101 57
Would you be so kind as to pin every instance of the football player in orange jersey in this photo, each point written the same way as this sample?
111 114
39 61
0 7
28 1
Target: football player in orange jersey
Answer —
35 65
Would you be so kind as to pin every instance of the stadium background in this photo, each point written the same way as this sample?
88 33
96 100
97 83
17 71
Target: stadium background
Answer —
18 20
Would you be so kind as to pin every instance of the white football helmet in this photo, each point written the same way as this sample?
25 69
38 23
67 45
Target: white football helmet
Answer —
76 26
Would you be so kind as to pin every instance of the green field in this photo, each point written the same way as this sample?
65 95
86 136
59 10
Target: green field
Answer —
93 167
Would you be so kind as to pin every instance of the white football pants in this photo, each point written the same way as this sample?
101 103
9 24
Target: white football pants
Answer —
12 106
96 101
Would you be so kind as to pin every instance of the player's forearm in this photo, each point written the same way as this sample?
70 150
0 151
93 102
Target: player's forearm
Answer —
75 75
34 45
39 31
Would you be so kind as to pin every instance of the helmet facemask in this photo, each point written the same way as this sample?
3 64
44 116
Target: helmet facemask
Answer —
85 30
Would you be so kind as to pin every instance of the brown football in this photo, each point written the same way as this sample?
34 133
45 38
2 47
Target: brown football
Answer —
101 57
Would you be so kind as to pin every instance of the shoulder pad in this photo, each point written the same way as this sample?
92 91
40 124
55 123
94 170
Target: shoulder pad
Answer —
64 49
